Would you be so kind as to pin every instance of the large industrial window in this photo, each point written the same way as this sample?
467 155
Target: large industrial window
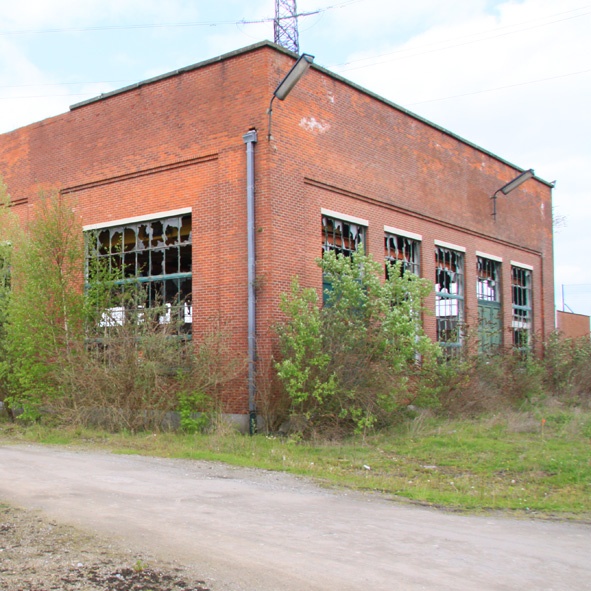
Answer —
449 296
404 250
155 255
488 294
521 324
341 237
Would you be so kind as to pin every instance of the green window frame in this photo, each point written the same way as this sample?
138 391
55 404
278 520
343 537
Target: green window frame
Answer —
522 312
449 296
488 295
155 254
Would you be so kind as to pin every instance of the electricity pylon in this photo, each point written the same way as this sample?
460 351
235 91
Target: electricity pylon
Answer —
285 25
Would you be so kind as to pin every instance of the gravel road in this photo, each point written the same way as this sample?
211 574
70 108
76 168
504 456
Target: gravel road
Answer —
251 530
39 554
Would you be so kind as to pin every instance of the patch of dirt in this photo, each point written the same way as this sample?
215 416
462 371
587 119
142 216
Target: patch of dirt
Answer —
37 554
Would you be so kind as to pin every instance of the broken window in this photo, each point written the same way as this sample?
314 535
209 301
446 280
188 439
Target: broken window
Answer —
488 280
449 296
153 255
521 323
341 237
400 249
488 294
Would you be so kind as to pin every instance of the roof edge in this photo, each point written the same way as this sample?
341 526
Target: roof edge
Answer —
279 48
426 121
189 68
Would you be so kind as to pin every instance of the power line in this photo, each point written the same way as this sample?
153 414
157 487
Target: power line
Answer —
499 88
36 96
340 5
537 81
436 46
62 83
171 25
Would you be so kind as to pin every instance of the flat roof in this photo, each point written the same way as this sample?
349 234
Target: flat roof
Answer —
267 43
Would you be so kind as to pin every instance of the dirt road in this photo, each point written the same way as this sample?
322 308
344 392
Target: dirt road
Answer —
250 530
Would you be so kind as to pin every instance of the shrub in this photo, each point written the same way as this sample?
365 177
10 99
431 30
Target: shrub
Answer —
568 367
353 363
93 354
43 315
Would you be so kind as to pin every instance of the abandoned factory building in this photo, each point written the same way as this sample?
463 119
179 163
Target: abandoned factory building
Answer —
160 170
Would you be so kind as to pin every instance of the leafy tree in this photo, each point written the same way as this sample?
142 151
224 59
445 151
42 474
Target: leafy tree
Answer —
354 362
83 344
5 255
44 316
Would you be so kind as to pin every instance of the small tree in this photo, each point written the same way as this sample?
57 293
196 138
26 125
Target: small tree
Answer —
44 314
5 279
355 361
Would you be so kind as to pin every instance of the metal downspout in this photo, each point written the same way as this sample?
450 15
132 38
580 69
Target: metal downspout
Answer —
250 139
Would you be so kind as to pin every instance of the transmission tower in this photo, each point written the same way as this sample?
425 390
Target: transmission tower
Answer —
285 25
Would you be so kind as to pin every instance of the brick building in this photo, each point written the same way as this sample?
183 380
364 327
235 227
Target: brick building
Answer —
160 168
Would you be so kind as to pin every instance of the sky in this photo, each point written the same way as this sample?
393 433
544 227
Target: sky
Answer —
512 76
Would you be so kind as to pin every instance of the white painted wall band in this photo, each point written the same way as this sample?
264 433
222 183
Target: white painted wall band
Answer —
405 233
344 217
138 218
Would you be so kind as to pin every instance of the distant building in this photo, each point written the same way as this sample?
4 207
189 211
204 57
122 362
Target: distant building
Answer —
159 169
572 326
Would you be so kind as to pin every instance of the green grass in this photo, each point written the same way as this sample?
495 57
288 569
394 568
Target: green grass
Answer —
528 463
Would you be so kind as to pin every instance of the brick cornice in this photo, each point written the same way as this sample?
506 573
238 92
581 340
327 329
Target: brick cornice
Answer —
334 189
139 173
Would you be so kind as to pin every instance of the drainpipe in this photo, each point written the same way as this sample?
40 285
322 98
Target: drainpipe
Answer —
250 139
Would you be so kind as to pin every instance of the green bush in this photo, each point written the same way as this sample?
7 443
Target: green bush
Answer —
43 317
567 365
354 362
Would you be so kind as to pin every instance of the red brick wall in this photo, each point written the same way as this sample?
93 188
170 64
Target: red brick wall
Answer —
178 142
361 157
572 326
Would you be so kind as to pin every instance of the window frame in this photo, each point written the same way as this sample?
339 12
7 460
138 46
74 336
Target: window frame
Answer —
153 251
484 280
358 238
521 305
357 232
450 301
410 243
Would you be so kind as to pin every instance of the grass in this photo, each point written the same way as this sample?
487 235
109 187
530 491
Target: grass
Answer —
533 463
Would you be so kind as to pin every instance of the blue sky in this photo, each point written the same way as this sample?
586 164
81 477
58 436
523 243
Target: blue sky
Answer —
513 76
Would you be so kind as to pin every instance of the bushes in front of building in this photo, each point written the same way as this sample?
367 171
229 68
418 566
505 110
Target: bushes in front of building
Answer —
80 346
5 255
360 360
510 378
356 362
44 311
352 363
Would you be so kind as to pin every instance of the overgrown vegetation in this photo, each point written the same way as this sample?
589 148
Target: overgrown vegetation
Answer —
352 363
360 360
79 346
94 354
371 402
